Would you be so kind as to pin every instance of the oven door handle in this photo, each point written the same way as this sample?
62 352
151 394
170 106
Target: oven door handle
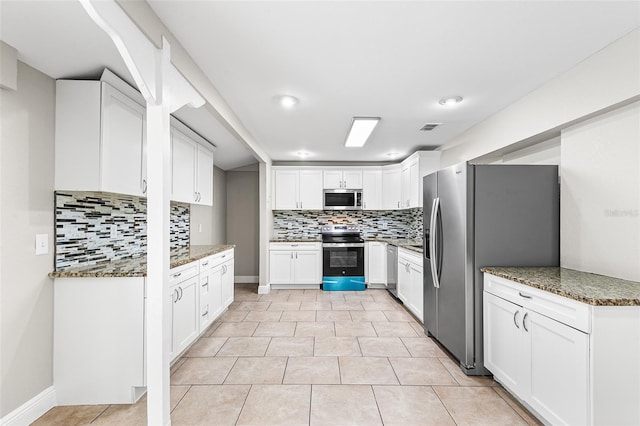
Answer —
348 245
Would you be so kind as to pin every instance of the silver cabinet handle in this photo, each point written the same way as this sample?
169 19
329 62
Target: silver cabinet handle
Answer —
291 255
364 204
524 319
223 256
144 186
205 263
300 204
175 300
296 255
526 296
181 293
294 245
515 320
177 275
398 204
205 313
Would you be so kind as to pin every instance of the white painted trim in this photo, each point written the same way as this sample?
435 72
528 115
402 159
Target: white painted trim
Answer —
246 279
31 410
264 289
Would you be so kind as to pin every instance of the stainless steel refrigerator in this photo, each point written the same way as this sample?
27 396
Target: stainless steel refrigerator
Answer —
475 216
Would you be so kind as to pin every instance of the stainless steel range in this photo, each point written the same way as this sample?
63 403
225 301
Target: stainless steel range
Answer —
342 258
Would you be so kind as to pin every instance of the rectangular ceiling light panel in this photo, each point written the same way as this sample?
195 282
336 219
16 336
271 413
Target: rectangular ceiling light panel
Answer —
361 128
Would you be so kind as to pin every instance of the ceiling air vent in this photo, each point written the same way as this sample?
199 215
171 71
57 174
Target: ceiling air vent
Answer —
429 127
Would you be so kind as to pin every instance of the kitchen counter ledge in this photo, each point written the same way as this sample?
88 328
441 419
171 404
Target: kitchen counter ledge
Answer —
405 243
137 267
593 289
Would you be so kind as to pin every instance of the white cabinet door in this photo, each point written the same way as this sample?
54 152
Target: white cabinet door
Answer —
210 296
405 182
122 146
417 292
183 167
345 179
227 283
415 197
391 188
286 189
308 265
281 267
376 263
352 178
310 189
559 359
404 281
332 179
503 346
372 189
185 314
204 175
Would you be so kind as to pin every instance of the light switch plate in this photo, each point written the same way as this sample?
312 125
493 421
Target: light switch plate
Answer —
42 244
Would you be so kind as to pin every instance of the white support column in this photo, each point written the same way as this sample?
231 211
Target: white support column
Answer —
165 90
158 201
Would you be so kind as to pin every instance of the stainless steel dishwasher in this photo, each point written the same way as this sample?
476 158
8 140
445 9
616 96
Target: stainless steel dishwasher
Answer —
392 269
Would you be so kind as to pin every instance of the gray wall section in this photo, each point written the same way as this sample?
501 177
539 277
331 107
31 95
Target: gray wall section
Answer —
26 209
208 224
243 220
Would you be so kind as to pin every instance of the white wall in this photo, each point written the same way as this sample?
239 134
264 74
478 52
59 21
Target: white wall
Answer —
600 206
243 220
26 208
208 224
607 78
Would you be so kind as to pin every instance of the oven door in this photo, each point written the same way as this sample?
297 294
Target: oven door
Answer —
343 260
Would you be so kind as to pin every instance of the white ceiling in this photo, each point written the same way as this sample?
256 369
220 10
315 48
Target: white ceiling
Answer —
342 59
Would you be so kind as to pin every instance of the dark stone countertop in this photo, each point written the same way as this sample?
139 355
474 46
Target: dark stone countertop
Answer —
137 267
593 289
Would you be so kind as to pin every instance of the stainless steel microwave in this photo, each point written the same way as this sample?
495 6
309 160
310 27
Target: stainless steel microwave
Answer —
342 199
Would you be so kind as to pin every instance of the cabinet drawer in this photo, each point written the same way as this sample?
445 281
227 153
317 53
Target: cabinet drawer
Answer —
296 246
562 309
182 273
207 263
411 256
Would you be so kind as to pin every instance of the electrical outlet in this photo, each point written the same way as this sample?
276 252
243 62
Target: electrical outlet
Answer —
114 231
199 227
290 225
42 244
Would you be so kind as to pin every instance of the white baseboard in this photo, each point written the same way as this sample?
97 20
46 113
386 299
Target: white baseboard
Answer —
31 410
246 278
264 289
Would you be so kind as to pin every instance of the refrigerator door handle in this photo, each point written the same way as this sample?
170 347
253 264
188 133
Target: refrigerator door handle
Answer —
432 241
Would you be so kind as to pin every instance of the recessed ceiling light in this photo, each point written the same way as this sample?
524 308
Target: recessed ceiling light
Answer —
303 154
450 101
361 128
393 155
287 101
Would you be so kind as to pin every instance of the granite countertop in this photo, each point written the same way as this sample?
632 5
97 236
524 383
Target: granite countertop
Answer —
137 267
296 240
405 243
597 290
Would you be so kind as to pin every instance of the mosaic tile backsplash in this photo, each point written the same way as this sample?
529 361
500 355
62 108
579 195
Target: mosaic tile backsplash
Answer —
85 220
373 224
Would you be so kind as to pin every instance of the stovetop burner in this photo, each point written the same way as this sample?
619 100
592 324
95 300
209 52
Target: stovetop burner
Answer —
341 234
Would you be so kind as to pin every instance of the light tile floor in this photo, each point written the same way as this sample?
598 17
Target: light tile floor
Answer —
300 357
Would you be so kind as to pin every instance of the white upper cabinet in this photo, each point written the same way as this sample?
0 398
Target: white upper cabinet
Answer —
191 166
100 143
183 167
372 189
391 186
100 137
297 189
342 178
414 168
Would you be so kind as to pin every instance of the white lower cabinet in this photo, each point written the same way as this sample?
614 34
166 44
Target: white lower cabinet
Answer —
410 284
98 340
559 356
184 314
376 263
294 264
